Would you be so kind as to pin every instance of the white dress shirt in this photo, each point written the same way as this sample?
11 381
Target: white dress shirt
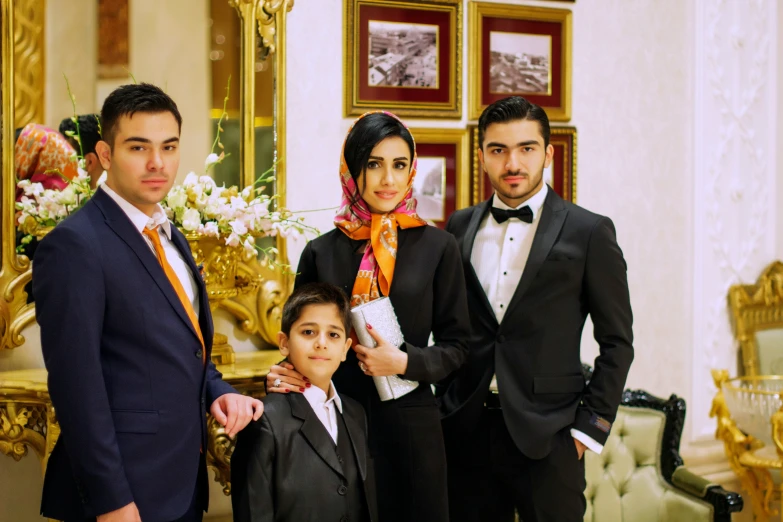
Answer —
324 407
140 221
499 256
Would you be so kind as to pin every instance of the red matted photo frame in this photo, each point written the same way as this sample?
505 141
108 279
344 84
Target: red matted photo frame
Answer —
561 174
520 50
441 185
403 56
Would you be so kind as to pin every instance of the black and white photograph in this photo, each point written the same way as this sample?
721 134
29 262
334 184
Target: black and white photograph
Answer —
519 63
403 55
429 188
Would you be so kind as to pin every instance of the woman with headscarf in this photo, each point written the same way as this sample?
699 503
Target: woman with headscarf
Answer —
381 247
43 155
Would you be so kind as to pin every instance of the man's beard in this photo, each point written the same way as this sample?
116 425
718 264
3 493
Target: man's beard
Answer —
510 193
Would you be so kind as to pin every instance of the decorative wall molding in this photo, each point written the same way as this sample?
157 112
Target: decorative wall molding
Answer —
735 132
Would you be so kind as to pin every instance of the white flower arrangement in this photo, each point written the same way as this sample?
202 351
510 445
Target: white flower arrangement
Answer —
200 206
197 206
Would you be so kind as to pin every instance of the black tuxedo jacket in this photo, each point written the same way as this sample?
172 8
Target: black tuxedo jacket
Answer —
575 268
125 370
285 467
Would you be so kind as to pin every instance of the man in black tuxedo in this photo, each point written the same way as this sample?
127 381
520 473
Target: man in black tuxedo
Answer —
518 415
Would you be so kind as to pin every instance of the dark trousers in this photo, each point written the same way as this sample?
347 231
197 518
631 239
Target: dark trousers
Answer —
410 461
500 479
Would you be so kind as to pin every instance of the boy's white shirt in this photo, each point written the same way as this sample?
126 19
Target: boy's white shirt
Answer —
323 405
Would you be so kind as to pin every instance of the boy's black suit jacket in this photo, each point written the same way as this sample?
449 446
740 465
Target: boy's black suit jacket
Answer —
285 466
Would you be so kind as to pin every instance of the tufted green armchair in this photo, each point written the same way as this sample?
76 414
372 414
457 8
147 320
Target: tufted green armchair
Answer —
639 476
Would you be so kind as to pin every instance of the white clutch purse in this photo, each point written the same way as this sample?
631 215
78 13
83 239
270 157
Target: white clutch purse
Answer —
380 314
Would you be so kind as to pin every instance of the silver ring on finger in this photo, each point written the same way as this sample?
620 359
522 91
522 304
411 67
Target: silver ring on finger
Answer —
362 366
277 383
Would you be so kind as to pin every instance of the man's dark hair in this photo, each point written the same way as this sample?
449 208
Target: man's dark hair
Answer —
130 99
315 294
513 108
89 130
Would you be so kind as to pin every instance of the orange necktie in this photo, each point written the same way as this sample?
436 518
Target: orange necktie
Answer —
175 282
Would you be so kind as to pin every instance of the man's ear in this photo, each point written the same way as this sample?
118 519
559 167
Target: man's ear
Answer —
90 159
550 153
282 342
481 158
103 151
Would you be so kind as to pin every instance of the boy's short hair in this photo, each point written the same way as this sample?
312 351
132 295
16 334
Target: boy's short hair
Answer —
315 294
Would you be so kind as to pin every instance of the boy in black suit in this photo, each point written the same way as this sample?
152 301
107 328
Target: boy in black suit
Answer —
306 459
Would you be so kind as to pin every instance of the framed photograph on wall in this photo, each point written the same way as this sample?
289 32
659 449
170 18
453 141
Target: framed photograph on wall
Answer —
561 174
403 56
520 50
441 184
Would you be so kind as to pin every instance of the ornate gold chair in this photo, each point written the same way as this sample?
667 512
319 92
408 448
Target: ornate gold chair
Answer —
748 408
640 476
757 321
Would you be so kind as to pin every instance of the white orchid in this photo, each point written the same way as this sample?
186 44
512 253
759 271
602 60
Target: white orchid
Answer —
191 219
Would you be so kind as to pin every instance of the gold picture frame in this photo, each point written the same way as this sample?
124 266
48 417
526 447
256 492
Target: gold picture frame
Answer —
377 69
451 147
499 33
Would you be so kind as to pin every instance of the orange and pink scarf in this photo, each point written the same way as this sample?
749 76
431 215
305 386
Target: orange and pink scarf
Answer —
376 270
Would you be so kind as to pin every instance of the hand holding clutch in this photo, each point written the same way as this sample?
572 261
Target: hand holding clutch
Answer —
377 329
384 359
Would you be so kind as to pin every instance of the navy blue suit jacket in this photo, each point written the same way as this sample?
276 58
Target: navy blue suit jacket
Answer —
125 370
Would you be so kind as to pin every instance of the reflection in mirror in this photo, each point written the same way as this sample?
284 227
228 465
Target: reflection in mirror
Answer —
190 48
225 56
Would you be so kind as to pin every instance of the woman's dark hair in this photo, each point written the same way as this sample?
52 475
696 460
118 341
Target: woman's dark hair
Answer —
130 99
365 135
513 108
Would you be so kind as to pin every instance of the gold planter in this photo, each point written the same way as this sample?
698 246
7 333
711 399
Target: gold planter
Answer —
219 264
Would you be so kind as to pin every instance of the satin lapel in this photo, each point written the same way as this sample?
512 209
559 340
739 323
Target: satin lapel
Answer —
355 429
553 215
204 313
118 221
314 432
468 239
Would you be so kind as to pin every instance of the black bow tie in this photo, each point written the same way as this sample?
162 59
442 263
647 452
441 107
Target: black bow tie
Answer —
501 215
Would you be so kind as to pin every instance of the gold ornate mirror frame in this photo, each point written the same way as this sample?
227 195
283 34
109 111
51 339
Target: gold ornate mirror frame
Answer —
262 20
755 308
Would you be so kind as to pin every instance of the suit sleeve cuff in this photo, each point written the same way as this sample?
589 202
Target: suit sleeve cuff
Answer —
416 370
588 441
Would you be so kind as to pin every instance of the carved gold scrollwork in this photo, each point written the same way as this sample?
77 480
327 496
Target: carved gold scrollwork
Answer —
29 57
22 427
219 450
260 312
266 21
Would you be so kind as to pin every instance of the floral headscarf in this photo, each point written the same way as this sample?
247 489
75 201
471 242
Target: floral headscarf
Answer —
40 150
357 222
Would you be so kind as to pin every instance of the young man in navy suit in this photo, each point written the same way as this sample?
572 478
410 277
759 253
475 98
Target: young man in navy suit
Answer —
126 333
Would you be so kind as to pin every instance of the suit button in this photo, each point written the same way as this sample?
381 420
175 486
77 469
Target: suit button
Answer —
342 490
199 353
501 338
